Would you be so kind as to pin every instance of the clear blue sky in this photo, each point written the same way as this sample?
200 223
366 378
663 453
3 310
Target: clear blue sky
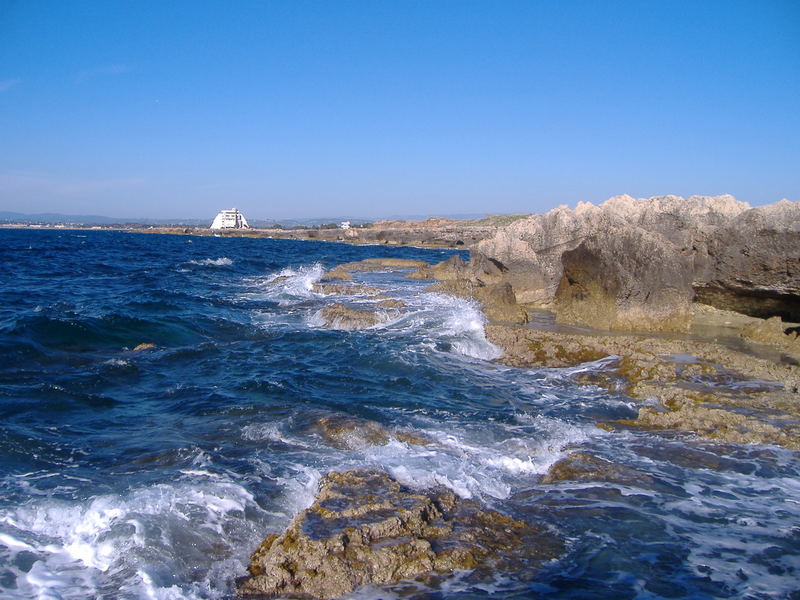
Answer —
373 108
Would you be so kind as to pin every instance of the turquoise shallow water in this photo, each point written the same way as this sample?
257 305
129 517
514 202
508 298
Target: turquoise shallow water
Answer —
154 474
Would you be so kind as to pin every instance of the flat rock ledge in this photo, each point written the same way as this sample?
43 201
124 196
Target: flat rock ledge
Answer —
364 528
702 387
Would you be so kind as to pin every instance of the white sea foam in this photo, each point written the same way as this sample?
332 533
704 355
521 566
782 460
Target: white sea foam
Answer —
288 286
222 261
138 542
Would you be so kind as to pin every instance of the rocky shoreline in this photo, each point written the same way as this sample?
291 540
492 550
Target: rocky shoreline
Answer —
687 307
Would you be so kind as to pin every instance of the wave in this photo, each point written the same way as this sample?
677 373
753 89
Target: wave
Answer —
222 261
139 544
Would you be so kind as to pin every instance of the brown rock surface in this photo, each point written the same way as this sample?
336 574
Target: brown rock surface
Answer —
772 331
344 289
582 466
347 318
352 433
366 528
337 274
738 258
625 279
760 396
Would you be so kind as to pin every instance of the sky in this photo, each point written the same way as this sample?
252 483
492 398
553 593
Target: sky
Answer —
393 107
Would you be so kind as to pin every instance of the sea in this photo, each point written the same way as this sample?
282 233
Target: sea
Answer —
158 395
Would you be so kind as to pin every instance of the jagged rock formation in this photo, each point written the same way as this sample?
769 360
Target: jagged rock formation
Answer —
752 263
365 528
737 258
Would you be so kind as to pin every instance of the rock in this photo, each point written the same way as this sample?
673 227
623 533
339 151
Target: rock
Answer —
366 528
340 316
353 433
741 259
363 265
497 301
582 466
397 263
144 346
391 303
718 424
689 379
774 332
625 279
337 274
753 263
344 289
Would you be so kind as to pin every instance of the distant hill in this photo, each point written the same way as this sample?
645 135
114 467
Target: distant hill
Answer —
62 219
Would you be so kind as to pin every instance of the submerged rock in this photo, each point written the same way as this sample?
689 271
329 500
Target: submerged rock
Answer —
582 466
353 433
366 528
340 316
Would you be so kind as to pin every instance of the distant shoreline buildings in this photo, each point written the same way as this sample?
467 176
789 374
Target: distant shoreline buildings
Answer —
229 219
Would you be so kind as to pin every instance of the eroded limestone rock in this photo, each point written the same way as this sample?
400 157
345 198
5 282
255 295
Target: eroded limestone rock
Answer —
337 274
691 381
625 279
366 528
352 433
347 318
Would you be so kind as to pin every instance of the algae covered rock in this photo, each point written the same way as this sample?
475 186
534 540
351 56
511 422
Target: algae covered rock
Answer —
364 527
582 467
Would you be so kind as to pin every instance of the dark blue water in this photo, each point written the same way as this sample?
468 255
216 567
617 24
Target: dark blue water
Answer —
153 473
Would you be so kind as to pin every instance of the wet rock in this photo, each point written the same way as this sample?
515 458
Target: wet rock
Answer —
352 433
582 466
497 301
689 379
340 316
718 424
344 289
366 528
337 274
397 263
626 279
391 303
144 346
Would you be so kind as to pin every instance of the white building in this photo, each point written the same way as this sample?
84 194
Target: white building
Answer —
344 225
229 219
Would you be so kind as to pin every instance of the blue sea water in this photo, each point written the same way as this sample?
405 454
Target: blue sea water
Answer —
154 473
